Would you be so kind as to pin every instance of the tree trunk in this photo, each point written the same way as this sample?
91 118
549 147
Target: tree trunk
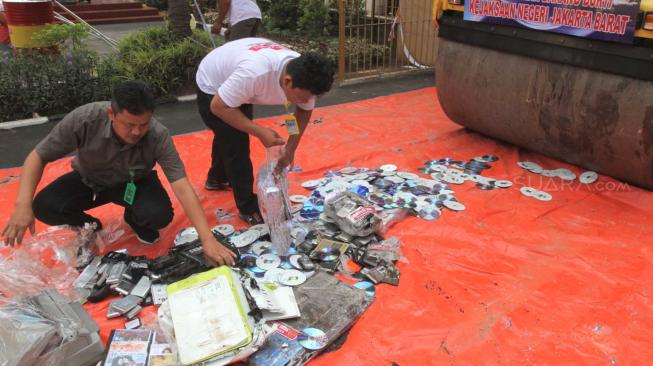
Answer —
179 17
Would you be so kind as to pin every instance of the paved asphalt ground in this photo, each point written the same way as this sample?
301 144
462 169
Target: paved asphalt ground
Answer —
182 117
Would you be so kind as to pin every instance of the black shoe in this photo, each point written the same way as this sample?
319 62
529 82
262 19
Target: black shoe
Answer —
147 236
212 185
252 219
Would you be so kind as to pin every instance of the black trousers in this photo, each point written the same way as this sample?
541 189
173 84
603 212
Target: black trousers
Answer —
64 201
230 161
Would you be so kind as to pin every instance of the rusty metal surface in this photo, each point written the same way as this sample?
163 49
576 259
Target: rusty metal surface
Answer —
596 120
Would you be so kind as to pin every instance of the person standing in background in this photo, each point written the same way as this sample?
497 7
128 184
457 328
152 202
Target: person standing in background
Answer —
244 19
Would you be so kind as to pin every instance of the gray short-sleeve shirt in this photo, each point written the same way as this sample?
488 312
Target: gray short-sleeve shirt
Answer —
101 158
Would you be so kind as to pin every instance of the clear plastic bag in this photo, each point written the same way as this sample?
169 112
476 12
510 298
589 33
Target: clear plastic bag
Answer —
273 201
353 214
46 329
46 260
389 218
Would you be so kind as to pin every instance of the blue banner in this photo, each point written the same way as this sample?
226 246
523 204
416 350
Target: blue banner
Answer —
608 20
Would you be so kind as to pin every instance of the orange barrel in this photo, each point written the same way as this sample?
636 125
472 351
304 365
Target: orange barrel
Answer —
26 17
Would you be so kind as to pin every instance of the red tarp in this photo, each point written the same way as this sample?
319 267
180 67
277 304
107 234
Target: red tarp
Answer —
511 280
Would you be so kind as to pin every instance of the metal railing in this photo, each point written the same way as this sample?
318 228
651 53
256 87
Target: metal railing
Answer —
377 37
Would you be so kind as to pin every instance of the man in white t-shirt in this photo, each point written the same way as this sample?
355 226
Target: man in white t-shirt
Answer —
244 19
254 71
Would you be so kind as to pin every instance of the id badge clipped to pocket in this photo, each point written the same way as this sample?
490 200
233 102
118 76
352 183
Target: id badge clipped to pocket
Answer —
130 193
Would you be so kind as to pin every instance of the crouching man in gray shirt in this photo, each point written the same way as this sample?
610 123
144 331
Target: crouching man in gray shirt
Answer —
117 145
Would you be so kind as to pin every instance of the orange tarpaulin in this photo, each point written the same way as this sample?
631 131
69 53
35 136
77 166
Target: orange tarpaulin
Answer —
510 280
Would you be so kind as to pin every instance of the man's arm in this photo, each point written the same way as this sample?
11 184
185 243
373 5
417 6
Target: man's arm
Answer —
236 119
223 9
303 117
191 204
22 217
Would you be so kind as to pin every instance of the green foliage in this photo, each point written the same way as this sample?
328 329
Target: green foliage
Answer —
161 59
159 4
314 21
49 84
283 15
64 36
57 83
355 49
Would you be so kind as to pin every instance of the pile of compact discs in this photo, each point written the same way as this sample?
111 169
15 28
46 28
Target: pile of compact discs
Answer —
587 177
385 188
257 256
453 171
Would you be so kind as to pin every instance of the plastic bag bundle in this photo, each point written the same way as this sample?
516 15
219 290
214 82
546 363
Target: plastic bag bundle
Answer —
48 260
273 201
353 214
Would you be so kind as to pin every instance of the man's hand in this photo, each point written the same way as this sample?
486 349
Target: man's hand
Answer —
286 160
21 219
217 253
269 137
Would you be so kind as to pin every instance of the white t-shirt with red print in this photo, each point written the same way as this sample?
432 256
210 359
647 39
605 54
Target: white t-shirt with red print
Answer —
247 71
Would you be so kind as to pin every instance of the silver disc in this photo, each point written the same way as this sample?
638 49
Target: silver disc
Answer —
503 183
186 235
528 191
311 184
294 260
588 177
389 167
407 175
272 275
245 239
297 198
453 205
268 261
543 196
224 230
261 228
261 247
292 277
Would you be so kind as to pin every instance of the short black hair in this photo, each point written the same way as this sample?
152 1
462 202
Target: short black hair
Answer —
311 71
134 95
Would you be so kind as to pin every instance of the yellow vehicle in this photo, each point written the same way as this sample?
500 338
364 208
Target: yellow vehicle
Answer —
582 100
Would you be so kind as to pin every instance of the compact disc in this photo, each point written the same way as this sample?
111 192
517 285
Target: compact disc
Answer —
548 173
407 175
368 287
261 228
268 261
312 338
256 271
588 177
186 235
388 167
543 196
503 183
429 213
312 184
245 239
297 198
454 205
224 230
326 254
453 179
485 186
261 247
486 158
349 170
291 277
528 191
272 274
294 261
